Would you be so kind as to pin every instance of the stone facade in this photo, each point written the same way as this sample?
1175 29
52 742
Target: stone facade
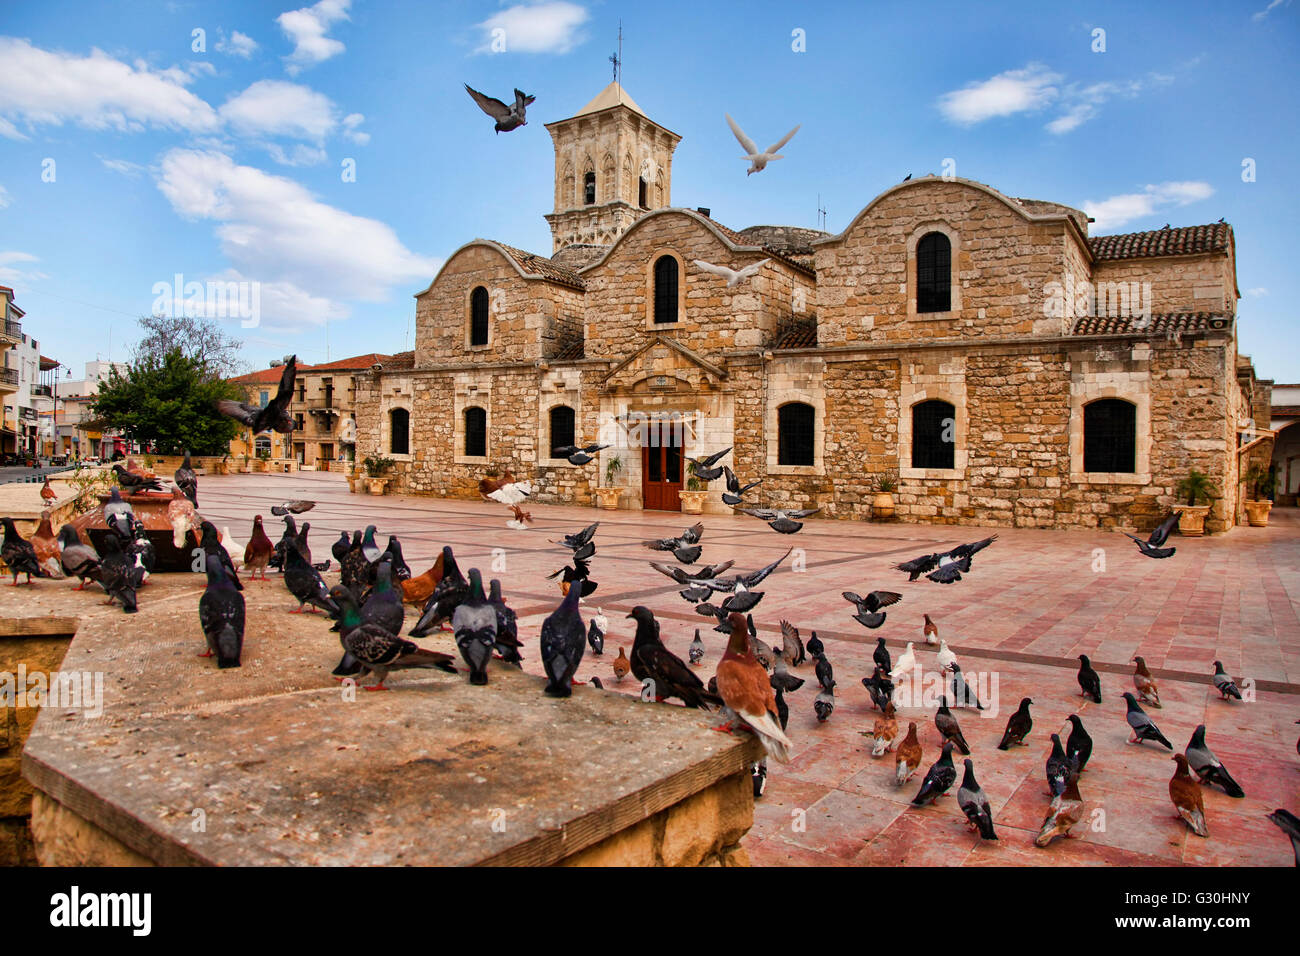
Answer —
1042 321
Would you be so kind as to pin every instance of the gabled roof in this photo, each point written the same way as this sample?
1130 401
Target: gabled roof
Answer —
528 264
612 95
1182 241
357 363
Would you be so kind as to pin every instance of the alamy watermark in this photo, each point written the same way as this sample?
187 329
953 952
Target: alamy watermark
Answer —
1077 299
62 690
212 299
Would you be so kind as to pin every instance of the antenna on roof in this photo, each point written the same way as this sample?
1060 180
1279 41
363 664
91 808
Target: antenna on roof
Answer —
821 213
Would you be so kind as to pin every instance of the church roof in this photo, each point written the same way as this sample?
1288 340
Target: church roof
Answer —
612 95
1183 241
537 265
1168 324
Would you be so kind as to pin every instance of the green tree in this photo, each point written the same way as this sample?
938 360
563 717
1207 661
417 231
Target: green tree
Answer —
168 403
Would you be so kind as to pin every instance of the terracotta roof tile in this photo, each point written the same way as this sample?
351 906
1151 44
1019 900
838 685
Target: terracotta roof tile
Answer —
1160 324
537 265
356 363
800 334
1183 241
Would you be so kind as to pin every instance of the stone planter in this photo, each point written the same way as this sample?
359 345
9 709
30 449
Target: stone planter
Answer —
882 506
1191 519
353 478
608 498
1257 513
262 464
376 485
221 468
693 501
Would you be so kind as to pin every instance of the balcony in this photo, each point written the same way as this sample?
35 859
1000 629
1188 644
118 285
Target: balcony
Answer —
8 378
46 390
12 332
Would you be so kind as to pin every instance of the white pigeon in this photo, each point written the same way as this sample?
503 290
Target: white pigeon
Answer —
946 658
758 160
733 276
181 523
233 548
905 664
513 493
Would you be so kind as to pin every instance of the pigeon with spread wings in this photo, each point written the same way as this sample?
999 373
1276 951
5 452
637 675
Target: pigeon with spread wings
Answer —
274 416
507 117
733 276
781 520
685 547
758 159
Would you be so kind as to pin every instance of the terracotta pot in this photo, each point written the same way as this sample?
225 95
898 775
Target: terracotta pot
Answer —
1257 513
693 501
608 497
1191 519
151 508
882 506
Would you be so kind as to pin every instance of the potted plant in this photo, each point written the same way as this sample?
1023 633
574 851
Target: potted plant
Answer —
264 459
1191 516
609 495
375 466
1262 482
882 506
694 495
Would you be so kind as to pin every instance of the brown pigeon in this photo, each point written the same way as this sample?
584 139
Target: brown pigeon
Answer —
418 589
1064 812
1145 683
46 546
744 687
258 551
907 759
47 493
1185 792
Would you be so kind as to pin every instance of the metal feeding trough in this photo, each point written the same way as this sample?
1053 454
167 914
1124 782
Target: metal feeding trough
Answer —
151 508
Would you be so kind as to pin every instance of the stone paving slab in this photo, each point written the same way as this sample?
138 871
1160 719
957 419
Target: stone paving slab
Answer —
1031 604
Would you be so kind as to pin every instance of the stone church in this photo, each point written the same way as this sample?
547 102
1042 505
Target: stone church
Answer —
1001 365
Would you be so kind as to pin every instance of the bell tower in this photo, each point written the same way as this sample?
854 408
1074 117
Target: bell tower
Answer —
613 164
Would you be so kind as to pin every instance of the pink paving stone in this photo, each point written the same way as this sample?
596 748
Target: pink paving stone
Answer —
1233 597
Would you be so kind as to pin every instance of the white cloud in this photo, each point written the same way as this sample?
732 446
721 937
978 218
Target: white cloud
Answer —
1260 15
307 27
300 155
1014 91
237 44
12 276
274 231
43 87
350 131
280 108
4 197
1256 293
1117 210
552 27
123 166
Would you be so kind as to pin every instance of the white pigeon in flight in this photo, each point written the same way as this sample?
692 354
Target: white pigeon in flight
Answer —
733 276
758 160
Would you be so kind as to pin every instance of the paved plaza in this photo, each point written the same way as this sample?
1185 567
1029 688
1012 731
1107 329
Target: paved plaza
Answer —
1033 602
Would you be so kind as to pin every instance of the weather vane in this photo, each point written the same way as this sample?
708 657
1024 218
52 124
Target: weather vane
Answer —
617 58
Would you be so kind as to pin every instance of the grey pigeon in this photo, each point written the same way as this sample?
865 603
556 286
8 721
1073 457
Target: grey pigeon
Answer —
1144 728
507 629
1207 766
1151 547
975 804
948 726
695 653
115 574
275 414
781 520
507 117
187 480
221 615
685 547
563 640
869 613
475 626
78 560
824 703
963 694
306 585
1224 684
117 513
1018 726
702 468
938 779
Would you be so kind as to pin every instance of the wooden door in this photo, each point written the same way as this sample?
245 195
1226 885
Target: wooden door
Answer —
661 477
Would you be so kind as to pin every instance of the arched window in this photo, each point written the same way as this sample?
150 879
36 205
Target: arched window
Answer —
562 419
1110 436
478 316
589 187
934 273
796 433
475 433
665 290
934 439
399 431
641 193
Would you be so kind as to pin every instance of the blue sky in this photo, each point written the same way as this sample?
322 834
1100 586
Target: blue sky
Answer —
127 156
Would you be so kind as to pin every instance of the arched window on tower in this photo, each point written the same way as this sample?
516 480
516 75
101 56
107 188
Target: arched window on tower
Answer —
562 422
589 188
934 273
934 441
475 433
665 290
1110 436
796 434
399 431
478 316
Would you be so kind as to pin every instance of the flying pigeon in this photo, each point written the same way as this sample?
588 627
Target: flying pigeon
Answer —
1089 682
292 507
1018 726
733 276
869 607
1145 684
513 493
667 675
1224 684
1185 793
781 520
744 687
742 582
221 615
19 555
907 758
579 573
758 159
576 541
274 416
187 480
948 727
507 117
703 468
596 629
475 626
1078 748
1207 766
735 490
563 640
1144 728
78 560
975 804
938 779
578 455
685 548
945 567
1064 812
1058 768
781 678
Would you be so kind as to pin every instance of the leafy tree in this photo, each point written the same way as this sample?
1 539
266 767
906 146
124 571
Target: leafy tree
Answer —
168 403
197 338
